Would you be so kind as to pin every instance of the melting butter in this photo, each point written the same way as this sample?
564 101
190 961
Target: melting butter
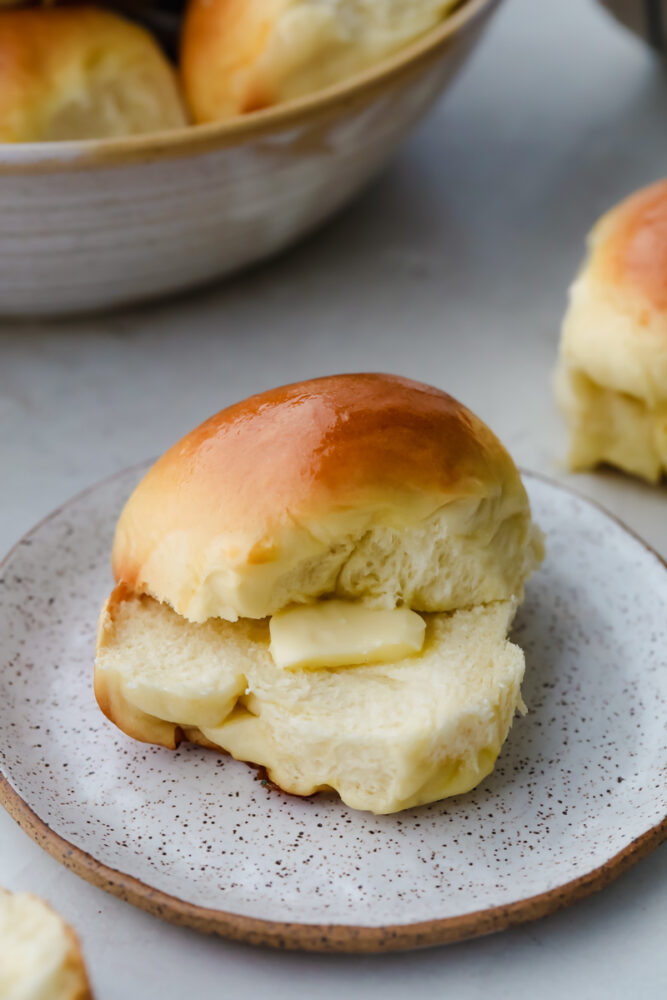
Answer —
343 633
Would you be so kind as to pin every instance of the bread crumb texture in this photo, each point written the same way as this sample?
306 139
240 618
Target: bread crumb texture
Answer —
384 736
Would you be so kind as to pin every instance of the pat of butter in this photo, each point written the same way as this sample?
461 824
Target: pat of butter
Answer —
342 633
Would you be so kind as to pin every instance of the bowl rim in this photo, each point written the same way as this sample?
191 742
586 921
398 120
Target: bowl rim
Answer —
18 158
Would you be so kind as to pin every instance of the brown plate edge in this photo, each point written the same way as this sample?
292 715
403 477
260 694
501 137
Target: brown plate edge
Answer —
323 937
344 938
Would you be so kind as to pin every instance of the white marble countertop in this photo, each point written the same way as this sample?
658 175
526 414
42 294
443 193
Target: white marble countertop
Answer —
452 269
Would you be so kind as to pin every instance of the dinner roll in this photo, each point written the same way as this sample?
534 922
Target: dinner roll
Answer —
385 736
82 73
366 486
320 580
242 55
40 957
611 380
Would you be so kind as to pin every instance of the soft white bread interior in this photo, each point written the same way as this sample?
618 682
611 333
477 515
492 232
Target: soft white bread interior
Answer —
243 55
384 736
40 957
369 487
611 381
82 73
612 427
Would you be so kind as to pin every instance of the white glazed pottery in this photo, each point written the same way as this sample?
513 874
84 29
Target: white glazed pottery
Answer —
96 224
579 792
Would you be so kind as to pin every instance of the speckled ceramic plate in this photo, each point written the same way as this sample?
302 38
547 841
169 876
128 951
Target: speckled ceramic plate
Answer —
579 793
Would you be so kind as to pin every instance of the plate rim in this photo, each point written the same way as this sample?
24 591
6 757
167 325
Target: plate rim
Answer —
318 937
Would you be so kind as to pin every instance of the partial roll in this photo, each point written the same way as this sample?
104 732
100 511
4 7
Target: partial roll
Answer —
40 957
611 380
243 55
82 73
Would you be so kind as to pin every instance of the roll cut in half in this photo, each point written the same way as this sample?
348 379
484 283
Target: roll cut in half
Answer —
82 73
40 957
320 580
611 381
243 55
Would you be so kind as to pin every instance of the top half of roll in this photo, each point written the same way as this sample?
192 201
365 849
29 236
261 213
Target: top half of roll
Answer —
364 486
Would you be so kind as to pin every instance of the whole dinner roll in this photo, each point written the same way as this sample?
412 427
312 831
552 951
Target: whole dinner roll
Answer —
243 55
82 73
320 580
612 376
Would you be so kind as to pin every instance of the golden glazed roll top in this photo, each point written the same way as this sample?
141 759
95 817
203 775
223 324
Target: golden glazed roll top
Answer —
365 487
82 73
615 331
243 55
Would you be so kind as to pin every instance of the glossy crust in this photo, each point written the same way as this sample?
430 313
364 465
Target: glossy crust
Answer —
82 72
631 248
615 331
288 474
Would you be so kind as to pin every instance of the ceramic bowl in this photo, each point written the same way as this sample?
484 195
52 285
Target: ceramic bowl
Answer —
96 224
